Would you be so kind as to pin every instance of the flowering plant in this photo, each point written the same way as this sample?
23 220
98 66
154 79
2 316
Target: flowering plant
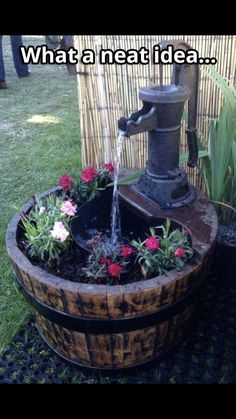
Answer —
88 184
47 237
156 255
106 264
161 252
46 227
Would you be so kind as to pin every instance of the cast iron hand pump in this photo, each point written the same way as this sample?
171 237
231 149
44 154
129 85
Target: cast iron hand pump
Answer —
163 181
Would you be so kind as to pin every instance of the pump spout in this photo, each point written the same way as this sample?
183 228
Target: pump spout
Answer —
143 120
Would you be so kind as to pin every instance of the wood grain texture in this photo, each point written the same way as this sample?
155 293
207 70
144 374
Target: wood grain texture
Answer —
115 351
99 301
111 350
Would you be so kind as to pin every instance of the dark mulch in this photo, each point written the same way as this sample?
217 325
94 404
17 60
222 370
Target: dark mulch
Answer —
72 266
227 234
207 353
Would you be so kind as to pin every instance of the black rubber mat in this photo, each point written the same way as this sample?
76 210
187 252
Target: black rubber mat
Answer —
207 354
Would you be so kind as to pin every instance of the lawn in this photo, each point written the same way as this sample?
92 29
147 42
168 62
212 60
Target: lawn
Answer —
39 141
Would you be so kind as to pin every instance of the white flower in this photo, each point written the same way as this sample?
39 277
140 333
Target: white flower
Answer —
59 231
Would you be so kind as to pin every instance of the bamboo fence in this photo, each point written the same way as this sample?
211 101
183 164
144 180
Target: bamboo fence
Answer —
107 92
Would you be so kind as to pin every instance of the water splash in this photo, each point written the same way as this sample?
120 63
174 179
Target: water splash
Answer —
115 212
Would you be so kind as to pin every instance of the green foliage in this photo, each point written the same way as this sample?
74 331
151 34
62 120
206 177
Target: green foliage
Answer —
126 180
38 227
94 268
101 257
219 166
164 258
172 251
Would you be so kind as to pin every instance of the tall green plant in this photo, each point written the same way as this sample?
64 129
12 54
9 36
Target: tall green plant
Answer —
219 166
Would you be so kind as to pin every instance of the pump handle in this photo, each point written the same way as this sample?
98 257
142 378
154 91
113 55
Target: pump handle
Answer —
187 75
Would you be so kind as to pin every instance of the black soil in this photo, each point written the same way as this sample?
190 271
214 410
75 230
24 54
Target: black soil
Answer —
225 254
227 234
72 263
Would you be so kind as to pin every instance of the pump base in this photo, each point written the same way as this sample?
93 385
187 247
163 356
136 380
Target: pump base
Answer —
167 193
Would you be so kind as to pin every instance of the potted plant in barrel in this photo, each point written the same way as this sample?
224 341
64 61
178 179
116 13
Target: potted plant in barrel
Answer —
109 308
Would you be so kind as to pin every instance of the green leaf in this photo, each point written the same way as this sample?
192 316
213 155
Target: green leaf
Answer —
219 168
184 156
224 205
126 180
223 84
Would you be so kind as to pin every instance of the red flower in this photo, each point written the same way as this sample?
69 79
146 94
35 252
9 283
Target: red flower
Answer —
179 252
126 251
105 261
89 174
152 243
109 167
114 269
66 182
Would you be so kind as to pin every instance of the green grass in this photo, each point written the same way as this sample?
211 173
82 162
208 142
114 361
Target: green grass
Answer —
39 141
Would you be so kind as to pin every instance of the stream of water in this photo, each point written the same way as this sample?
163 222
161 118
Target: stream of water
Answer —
115 212
161 76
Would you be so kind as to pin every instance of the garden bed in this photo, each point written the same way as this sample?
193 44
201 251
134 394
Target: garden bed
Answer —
120 326
73 262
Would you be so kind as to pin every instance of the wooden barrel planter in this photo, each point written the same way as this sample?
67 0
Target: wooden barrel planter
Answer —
115 327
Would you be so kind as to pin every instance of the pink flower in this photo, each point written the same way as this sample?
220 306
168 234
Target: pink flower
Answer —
66 182
42 210
179 252
68 208
89 174
126 251
114 269
59 231
105 261
109 167
152 243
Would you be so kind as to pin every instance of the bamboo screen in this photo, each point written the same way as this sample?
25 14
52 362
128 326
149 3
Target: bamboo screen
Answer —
107 92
